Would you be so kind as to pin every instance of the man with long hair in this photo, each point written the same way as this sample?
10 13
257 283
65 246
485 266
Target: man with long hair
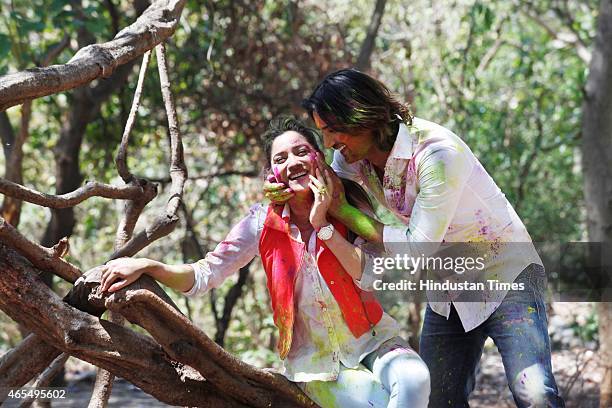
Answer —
430 179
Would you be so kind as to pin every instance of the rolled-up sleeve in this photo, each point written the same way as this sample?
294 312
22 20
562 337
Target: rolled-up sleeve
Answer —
238 248
442 172
369 251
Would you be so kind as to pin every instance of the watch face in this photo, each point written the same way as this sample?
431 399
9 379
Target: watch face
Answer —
325 232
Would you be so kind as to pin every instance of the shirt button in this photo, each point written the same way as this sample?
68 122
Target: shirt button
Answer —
332 282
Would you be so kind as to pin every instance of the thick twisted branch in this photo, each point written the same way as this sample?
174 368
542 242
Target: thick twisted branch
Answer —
188 344
155 25
135 357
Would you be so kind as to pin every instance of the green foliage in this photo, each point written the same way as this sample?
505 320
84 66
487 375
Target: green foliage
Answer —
587 330
487 70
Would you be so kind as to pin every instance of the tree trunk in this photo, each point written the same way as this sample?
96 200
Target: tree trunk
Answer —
363 60
596 159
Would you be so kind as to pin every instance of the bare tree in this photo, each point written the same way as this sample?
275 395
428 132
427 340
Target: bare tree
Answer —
597 156
178 364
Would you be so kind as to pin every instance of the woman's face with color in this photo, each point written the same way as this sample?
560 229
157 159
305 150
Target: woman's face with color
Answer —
292 160
354 146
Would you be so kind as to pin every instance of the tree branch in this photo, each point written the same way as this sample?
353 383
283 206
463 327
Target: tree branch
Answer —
488 57
133 208
90 189
223 173
46 377
229 303
167 220
186 343
46 259
526 166
133 356
156 24
564 37
55 51
121 159
23 362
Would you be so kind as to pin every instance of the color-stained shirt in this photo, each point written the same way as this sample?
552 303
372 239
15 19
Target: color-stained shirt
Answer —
440 192
321 338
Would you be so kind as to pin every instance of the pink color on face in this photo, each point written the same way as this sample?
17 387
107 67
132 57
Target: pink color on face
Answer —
276 173
313 157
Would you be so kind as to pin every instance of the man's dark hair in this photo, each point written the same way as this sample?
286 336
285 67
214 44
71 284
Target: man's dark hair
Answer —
349 100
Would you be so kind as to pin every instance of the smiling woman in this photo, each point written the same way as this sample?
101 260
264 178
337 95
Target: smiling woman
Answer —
335 340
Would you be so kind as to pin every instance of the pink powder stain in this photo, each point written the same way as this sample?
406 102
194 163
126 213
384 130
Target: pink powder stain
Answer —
276 173
223 245
314 163
399 349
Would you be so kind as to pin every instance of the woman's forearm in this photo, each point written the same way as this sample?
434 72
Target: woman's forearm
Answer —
179 277
349 256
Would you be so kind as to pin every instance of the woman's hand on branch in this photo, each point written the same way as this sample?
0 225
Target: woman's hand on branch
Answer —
121 272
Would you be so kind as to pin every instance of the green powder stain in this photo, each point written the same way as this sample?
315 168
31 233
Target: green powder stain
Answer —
530 309
438 171
323 349
358 222
322 393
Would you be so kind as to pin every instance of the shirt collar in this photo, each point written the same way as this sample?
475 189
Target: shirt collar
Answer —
403 148
294 230
286 212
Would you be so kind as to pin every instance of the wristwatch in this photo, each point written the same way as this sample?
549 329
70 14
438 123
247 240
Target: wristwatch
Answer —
325 232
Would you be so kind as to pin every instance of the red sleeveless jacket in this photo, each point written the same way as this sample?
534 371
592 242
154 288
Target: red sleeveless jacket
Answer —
282 257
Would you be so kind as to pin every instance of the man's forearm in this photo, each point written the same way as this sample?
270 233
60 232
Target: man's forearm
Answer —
360 223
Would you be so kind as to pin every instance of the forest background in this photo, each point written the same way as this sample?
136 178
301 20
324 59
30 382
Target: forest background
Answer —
507 76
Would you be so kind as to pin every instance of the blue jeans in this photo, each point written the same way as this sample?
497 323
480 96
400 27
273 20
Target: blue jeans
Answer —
519 329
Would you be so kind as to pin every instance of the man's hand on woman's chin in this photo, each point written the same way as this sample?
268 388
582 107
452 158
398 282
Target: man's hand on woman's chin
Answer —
277 193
